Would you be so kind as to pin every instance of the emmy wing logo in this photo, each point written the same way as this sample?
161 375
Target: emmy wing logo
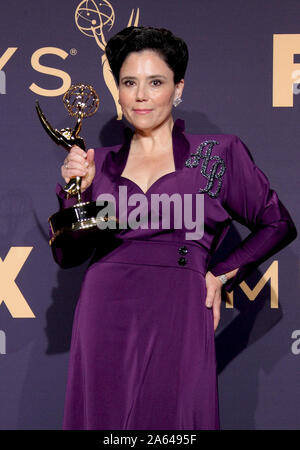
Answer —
92 20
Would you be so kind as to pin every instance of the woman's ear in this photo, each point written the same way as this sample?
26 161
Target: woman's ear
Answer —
179 88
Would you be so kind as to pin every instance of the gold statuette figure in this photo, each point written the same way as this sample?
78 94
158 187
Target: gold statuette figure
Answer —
81 101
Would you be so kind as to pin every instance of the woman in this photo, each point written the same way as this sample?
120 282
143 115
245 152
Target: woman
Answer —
143 353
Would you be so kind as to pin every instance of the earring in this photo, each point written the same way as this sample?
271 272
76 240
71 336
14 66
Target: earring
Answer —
177 101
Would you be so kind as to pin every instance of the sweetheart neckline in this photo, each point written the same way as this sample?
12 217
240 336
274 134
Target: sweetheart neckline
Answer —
151 185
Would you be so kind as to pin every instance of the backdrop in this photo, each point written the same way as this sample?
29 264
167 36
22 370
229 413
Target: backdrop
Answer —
242 79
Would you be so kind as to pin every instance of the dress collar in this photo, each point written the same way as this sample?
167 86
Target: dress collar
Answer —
115 161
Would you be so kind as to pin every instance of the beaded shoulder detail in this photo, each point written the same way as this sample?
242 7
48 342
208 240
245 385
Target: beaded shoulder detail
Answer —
215 173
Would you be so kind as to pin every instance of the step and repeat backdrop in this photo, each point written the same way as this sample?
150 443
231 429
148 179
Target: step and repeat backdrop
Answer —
243 78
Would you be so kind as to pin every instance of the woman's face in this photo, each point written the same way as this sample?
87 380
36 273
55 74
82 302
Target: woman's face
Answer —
147 90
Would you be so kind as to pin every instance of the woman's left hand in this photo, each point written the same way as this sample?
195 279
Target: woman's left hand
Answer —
214 296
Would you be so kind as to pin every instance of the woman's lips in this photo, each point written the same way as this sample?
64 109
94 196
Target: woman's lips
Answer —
142 111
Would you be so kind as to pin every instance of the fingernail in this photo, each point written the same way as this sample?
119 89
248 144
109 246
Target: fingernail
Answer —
87 164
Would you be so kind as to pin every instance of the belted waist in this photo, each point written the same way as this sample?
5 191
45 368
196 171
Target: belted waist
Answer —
183 255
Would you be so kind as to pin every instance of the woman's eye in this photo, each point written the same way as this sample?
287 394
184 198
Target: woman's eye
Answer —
129 83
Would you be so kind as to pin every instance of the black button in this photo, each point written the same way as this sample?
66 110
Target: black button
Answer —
182 261
183 250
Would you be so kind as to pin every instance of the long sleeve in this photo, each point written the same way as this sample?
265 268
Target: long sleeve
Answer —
249 200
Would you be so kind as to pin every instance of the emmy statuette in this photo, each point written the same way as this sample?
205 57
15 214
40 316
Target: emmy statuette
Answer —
83 218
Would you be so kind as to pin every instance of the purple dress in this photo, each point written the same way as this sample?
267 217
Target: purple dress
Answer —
143 351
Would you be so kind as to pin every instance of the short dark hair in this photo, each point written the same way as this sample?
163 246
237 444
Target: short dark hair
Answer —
172 49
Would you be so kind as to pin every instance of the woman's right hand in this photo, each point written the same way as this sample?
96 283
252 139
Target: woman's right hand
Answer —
79 163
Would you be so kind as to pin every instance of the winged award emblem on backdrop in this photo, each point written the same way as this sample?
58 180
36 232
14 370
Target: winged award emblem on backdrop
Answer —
92 18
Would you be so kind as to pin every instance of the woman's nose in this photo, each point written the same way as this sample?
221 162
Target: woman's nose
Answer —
141 93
